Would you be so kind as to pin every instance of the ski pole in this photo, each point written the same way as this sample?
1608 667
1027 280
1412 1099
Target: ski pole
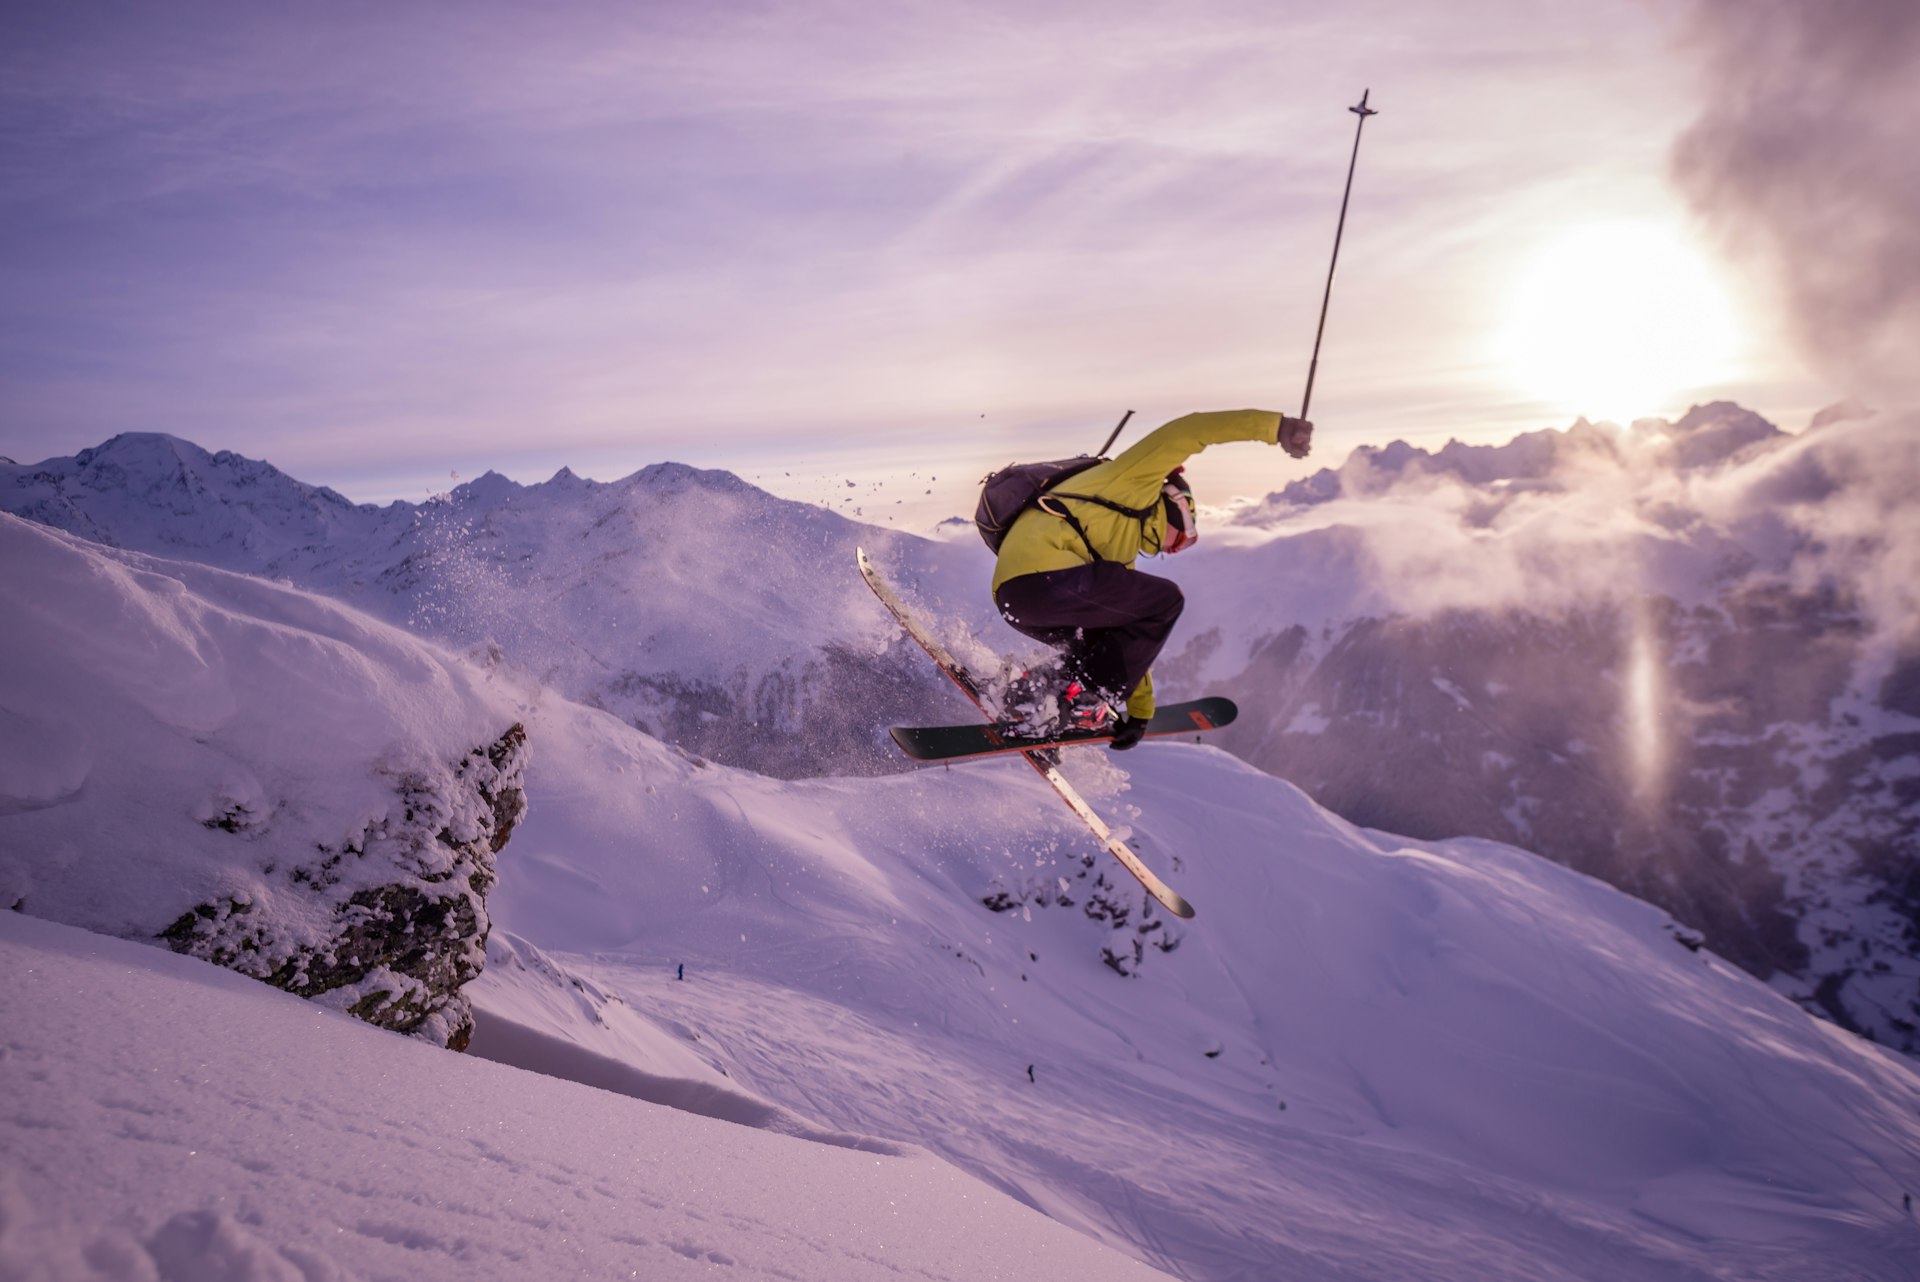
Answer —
1362 111
1116 434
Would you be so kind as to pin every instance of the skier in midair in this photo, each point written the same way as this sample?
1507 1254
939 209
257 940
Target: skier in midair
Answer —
1065 573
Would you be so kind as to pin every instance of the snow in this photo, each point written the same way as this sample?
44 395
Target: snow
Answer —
299 1145
1308 720
670 596
147 701
1469 1043
1368 1057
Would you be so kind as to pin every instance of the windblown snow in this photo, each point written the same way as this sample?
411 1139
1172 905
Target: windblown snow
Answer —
733 1024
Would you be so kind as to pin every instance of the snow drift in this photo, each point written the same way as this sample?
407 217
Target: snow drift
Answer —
297 1146
258 776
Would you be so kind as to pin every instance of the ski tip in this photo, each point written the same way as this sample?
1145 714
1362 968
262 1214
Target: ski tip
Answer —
907 743
1179 907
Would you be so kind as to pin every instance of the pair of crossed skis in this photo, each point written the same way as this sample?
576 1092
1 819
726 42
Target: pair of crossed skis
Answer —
951 743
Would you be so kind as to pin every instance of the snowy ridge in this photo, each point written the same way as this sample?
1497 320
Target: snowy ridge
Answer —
1707 436
685 600
1427 1040
234 512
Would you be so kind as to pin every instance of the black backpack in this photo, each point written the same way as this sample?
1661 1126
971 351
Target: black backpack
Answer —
1018 486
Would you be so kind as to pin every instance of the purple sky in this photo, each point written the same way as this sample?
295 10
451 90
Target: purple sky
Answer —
379 244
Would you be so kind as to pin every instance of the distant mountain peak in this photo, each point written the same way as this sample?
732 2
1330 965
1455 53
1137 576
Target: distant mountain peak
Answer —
129 447
1706 435
159 456
489 486
677 476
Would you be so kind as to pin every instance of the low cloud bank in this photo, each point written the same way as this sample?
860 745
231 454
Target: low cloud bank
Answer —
1594 515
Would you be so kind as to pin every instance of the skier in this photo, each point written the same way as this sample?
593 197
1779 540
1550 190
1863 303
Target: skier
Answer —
1065 573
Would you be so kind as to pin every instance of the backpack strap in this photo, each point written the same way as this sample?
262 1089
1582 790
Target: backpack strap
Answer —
1048 504
1065 513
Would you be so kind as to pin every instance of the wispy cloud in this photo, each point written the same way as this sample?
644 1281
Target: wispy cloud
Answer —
1804 158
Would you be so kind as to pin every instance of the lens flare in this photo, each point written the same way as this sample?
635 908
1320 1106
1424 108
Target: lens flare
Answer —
1616 321
1644 695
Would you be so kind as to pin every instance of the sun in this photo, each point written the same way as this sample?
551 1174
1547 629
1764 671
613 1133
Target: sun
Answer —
1615 321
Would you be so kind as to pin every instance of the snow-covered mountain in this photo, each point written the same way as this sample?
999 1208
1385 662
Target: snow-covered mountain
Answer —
687 602
1368 1057
1680 656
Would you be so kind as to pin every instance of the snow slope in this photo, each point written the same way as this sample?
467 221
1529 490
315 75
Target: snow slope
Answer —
160 703
298 1145
1366 1058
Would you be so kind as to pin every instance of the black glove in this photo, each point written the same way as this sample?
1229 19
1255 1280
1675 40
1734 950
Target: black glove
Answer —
1130 731
1296 436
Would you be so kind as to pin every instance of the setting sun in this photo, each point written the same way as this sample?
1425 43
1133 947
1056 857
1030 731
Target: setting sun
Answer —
1615 320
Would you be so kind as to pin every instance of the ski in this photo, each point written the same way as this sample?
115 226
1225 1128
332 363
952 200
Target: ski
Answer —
958 743
1041 759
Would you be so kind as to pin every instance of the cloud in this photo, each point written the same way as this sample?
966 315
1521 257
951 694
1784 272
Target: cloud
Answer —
1803 161
1848 489
1566 522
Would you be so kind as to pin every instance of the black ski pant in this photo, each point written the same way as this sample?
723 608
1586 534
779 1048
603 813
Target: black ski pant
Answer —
1109 619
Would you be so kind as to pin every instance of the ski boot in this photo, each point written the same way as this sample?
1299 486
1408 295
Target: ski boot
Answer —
1084 709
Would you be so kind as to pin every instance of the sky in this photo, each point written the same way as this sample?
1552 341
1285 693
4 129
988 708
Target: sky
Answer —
391 247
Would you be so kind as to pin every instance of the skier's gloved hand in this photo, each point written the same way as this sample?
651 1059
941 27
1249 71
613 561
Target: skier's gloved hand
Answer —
1130 731
1296 436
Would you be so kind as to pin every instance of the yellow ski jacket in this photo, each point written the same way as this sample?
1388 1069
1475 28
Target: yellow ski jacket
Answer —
1041 540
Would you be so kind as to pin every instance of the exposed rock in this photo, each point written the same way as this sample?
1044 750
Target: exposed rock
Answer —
404 902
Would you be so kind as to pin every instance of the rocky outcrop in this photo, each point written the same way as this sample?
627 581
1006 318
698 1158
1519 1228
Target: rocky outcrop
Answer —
1133 928
400 907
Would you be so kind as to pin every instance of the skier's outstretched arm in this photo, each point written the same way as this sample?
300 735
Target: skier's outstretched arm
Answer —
1144 465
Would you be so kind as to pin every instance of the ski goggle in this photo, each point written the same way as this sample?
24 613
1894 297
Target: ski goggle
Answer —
1183 528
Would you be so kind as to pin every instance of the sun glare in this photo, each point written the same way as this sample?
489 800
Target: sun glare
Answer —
1615 321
